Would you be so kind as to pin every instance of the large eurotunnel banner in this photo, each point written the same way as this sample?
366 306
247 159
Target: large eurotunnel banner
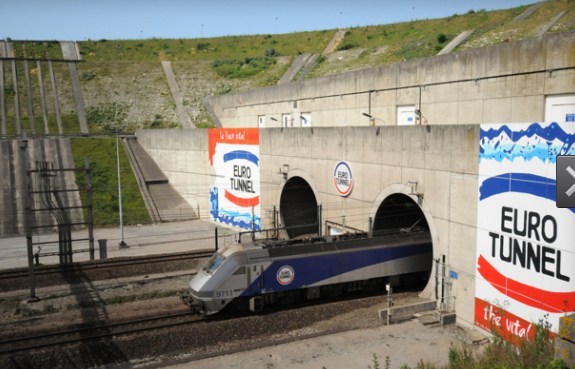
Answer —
234 153
525 244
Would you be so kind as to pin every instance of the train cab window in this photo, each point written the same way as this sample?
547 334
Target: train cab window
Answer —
213 264
241 270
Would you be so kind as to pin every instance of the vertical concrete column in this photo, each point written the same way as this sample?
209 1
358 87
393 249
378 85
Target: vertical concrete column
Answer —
70 53
42 97
2 87
16 100
29 97
177 96
7 196
78 97
55 97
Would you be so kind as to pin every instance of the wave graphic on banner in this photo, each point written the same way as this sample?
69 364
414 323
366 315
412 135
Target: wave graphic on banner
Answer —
544 143
233 218
553 302
526 183
241 154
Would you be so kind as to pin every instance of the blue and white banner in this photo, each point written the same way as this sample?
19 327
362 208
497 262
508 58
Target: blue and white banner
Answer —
235 196
525 244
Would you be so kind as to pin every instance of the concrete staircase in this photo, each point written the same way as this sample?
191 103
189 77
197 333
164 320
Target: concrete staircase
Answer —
294 68
455 42
527 12
334 43
308 66
549 25
163 202
185 120
304 63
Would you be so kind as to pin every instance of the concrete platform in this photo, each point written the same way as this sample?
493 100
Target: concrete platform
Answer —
141 240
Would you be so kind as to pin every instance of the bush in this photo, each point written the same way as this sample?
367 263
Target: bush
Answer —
106 118
202 46
237 68
271 53
441 38
88 76
347 46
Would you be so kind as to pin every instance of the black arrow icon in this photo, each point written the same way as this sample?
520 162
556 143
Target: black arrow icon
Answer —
571 190
565 173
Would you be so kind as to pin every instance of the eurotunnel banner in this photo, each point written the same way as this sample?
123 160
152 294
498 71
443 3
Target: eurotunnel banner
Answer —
525 244
234 153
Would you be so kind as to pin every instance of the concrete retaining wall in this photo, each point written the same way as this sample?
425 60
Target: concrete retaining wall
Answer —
507 83
442 159
58 152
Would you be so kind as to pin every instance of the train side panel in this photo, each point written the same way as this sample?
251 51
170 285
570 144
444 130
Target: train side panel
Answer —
302 271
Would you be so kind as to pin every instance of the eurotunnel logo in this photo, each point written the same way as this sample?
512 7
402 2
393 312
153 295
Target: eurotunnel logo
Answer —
525 259
343 179
285 275
235 190
242 166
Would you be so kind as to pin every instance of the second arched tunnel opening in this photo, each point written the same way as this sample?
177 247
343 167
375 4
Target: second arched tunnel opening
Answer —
400 214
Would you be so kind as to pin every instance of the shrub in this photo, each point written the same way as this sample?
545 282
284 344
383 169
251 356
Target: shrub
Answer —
202 46
106 118
88 75
441 38
238 68
271 53
347 46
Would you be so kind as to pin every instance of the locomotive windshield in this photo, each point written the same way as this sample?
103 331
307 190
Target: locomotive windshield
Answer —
213 264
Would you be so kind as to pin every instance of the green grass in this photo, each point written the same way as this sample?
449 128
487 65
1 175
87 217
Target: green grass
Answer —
104 179
529 27
38 49
391 43
523 353
229 47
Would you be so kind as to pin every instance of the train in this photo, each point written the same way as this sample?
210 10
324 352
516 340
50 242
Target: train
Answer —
250 276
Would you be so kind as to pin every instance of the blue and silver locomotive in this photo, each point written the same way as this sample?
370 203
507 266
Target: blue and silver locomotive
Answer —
250 276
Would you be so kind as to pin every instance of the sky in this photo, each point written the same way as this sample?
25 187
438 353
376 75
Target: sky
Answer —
79 20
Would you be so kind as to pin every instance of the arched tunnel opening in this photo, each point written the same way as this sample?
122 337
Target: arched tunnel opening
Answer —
299 208
400 214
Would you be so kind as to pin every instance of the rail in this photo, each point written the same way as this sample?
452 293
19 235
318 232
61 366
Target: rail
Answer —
84 334
106 263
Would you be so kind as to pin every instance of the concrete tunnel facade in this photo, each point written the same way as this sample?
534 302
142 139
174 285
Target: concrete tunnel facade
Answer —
428 168
465 172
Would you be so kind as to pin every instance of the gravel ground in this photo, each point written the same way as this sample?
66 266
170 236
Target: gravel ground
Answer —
404 344
265 335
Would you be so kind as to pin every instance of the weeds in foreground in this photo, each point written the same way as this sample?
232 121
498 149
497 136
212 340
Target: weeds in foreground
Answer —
524 353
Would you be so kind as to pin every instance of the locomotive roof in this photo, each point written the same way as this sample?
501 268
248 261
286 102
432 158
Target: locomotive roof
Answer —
342 242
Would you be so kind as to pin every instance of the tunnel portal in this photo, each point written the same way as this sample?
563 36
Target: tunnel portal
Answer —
299 208
400 213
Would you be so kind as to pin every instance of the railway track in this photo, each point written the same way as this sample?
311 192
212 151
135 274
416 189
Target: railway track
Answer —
103 264
96 332
47 275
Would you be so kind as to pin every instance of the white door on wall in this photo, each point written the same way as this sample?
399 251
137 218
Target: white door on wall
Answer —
306 119
560 109
406 115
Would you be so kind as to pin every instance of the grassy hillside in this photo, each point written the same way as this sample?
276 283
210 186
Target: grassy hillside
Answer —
104 179
125 76
230 47
124 85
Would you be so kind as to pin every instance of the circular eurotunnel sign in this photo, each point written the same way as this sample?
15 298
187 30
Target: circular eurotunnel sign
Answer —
285 275
343 179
